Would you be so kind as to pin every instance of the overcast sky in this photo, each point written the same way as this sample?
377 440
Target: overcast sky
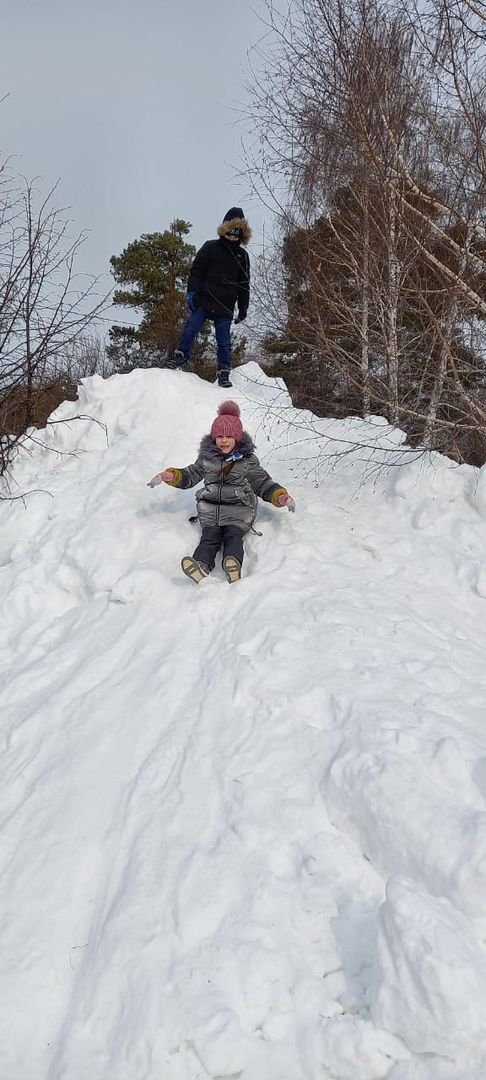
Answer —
133 104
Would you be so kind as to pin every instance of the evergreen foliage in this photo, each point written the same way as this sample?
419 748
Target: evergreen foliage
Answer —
152 273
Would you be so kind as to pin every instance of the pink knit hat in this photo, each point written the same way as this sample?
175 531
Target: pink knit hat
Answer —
227 422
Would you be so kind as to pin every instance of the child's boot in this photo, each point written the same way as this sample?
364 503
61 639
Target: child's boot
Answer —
194 570
232 568
223 380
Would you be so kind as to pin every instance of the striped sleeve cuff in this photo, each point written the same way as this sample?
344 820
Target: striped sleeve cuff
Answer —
177 481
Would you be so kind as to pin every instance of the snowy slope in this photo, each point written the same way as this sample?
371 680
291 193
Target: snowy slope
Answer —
244 828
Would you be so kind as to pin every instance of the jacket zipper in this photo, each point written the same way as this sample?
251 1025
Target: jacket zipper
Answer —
221 482
224 472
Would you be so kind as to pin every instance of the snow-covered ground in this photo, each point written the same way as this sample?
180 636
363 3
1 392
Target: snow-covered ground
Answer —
244 827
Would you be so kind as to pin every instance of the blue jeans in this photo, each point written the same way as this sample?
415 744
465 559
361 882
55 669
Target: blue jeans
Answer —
222 326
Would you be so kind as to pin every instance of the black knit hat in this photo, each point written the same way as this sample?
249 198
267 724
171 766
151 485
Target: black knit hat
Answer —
235 212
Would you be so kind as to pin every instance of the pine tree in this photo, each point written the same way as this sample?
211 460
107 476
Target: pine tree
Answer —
153 273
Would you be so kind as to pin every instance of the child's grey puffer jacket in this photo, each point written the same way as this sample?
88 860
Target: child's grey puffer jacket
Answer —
231 488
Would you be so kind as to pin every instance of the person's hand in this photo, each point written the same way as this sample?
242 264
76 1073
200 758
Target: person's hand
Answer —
240 317
288 501
192 301
165 477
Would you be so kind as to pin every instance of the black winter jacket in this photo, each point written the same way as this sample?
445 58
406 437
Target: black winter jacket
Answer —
220 278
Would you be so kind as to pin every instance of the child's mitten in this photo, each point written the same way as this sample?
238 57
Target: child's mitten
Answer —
288 501
165 477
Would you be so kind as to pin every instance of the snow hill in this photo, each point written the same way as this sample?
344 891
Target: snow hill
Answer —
244 827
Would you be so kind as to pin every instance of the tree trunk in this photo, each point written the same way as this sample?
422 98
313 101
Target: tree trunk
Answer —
365 299
392 308
449 324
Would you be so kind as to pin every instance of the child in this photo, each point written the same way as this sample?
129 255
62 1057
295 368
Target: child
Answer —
227 504
219 279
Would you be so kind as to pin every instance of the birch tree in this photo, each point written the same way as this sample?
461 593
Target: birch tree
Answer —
387 105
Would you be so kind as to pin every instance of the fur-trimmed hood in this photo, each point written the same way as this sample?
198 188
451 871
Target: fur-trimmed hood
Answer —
209 448
236 223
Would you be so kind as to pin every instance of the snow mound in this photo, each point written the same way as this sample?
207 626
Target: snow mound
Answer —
420 786
205 791
429 982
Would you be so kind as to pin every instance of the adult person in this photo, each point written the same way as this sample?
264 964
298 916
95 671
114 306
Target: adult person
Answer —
219 281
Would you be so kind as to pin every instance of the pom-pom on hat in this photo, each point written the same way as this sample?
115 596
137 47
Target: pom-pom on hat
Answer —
227 422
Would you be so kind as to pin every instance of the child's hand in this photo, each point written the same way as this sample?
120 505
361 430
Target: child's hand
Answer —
165 477
288 501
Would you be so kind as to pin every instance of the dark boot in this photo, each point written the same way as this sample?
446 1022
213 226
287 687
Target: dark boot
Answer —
223 380
178 360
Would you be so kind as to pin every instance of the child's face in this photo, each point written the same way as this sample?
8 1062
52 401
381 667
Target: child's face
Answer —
225 444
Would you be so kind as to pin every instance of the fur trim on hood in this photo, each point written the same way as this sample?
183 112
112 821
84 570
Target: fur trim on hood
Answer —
236 223
209 448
